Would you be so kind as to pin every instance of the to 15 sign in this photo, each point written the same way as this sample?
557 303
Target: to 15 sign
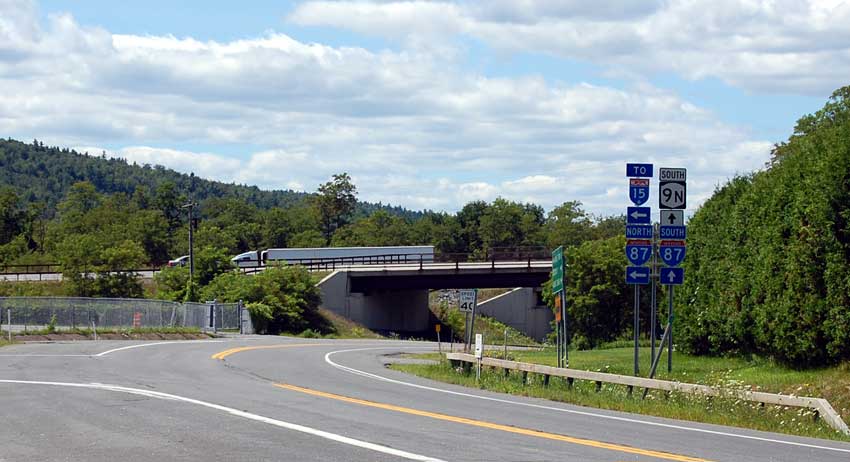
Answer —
639 190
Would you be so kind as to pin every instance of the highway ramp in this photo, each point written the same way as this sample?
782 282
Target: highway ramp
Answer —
287 399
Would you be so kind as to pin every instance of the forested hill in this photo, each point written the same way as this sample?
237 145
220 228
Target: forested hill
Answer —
45 174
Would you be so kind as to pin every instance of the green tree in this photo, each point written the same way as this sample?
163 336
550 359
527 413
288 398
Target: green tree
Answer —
568 225
308 239
288 292
114 278
335 203
767 259
172 282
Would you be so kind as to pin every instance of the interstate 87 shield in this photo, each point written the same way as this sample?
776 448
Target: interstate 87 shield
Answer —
638 251
672 252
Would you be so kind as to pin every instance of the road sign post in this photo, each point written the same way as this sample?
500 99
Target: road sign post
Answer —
467 300
562 339
672 199
640 240
653 306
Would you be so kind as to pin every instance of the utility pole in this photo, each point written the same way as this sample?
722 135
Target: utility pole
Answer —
191 206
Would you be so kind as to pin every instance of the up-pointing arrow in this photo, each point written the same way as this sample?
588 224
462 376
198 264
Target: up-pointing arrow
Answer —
637 215
671 276
672 218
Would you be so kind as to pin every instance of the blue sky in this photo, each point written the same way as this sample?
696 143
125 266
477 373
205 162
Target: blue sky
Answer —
426 104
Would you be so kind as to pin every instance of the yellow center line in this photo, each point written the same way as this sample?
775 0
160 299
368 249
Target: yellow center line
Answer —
223 354
495 426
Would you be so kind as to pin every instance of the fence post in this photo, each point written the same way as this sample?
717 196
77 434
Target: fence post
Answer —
9 321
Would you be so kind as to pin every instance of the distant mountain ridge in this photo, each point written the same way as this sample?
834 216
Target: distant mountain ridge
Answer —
40 173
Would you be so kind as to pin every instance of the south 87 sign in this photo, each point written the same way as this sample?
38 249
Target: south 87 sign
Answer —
672 252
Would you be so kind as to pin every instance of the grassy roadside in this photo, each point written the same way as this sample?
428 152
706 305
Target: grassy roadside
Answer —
830 383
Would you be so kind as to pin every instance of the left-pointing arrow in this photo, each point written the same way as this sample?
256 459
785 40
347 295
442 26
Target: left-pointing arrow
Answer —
637 215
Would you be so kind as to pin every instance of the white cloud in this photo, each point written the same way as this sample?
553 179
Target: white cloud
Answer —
410 126
784 46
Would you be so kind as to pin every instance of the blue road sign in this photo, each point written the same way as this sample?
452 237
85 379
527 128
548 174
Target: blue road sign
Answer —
672 252
637 275
672 276
638 232
637 215
639 190
673 232
638 252
639 170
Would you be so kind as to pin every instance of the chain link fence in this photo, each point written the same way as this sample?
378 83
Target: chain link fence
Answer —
65 313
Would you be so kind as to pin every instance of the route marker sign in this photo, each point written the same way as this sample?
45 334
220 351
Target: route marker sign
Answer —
672 252
558 270
672 188
637 215
638 232
639 190
479 345
638 251
639 170
672 218
672 276
466 302
679 233
637 275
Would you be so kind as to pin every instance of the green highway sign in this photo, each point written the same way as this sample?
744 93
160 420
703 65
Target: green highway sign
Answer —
557 270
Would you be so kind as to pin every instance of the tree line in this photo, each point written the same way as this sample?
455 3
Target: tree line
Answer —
768 264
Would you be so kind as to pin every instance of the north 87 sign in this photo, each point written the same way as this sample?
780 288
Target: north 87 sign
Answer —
638 251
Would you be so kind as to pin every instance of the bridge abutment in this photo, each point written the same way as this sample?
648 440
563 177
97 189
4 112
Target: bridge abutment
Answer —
384 310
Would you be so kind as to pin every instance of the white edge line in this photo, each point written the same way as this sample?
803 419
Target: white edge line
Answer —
570 411
141 345
238 413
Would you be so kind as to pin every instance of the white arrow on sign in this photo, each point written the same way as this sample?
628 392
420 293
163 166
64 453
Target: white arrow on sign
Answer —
637 215
635 274
671 277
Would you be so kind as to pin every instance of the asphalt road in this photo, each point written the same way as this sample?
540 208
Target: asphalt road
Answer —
283 399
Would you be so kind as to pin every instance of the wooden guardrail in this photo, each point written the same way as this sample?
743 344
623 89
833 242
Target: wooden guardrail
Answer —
821 406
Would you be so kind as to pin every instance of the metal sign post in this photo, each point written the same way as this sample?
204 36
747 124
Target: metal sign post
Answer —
9 323
670 330
672 198
560 293
439 344
479 352
637 329
467 300
640 246
653 307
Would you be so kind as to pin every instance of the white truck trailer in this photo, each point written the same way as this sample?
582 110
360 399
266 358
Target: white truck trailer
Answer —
336 255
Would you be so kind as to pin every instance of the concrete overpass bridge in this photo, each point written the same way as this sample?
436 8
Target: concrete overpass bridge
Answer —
394 297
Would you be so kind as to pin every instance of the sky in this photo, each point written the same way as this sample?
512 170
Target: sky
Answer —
426 104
